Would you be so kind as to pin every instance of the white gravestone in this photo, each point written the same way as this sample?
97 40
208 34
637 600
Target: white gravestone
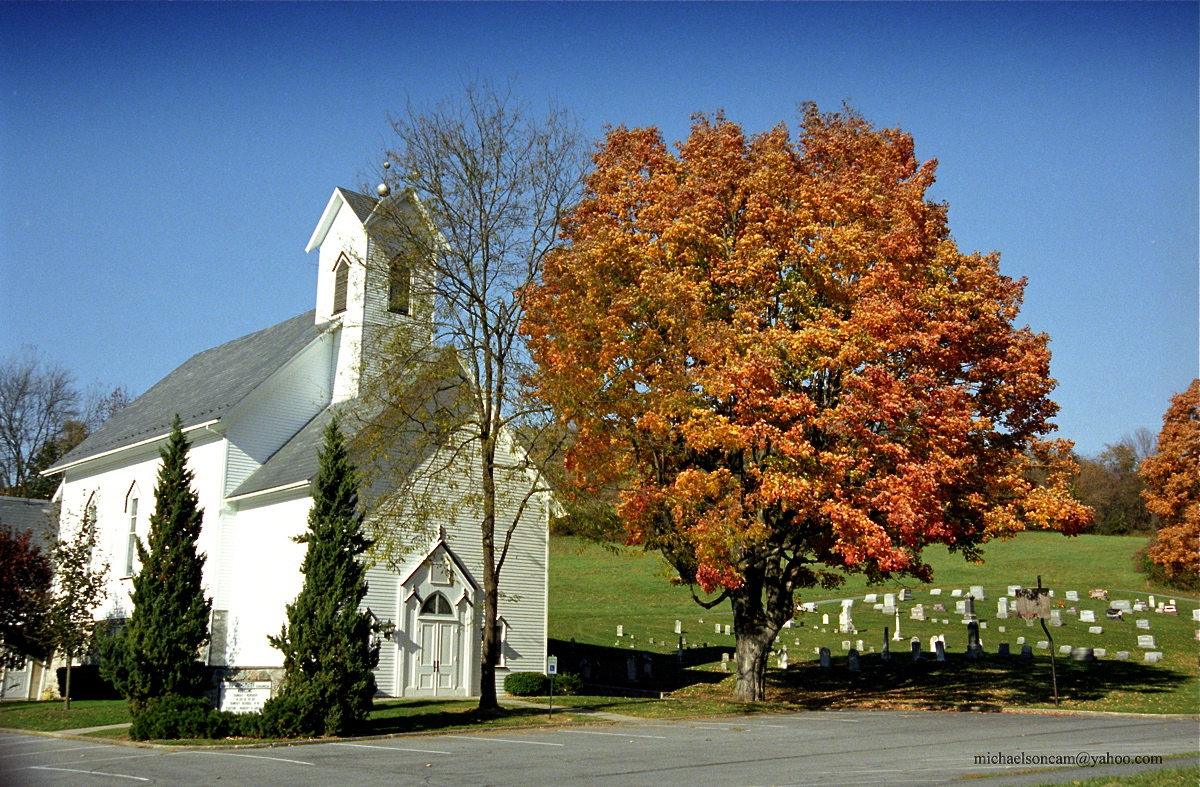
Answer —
917 612
977 592
1122 604
1142 623
1196 614
1012 589
1043 644
1072 595
727 628
1153 656
620 631
1095 629
1100 652
1146 641
935 592
1002 608
1020 640
1087 616
956 593
825 619
870 598
679 627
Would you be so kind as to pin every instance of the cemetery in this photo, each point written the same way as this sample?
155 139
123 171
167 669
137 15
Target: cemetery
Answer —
958 643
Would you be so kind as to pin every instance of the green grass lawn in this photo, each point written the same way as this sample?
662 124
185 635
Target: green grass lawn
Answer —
50 716
593 590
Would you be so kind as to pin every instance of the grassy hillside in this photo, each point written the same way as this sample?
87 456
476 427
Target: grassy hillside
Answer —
593 590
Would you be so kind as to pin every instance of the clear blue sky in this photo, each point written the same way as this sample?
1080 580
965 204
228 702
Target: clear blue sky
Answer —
163 165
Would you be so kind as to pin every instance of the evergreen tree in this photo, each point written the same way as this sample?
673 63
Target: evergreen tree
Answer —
156 656
328 656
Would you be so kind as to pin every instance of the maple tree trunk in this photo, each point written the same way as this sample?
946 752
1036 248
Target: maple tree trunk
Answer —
755 629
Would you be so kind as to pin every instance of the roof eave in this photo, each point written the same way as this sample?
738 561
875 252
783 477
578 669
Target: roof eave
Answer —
55 469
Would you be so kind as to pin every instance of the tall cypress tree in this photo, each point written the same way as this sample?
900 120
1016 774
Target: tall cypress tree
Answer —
328 685
156 655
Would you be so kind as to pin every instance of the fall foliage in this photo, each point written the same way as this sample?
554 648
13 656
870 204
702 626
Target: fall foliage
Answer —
776 349
1172 478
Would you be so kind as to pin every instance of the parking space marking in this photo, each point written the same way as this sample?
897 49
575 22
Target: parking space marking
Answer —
251 756
506 740
392 748
615 734
50 751
90 773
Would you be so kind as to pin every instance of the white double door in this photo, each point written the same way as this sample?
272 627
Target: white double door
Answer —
438 665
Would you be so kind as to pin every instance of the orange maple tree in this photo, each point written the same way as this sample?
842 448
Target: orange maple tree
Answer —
777 351
1172 478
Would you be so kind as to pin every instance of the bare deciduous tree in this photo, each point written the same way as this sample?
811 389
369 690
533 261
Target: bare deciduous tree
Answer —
37 399
490 179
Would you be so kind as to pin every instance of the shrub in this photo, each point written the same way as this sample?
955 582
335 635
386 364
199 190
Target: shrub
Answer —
86 684
568 683
527 684
173 717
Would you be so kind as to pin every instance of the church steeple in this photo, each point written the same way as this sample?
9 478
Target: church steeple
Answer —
366 281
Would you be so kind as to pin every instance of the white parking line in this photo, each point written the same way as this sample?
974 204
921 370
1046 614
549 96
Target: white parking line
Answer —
90 773
615 734
392 748
251 756
506 740
50 751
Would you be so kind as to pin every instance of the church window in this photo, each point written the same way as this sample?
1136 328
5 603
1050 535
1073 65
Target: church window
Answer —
131 550
437 605
399 286
341 282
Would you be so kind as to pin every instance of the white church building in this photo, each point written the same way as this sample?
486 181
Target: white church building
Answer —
254 410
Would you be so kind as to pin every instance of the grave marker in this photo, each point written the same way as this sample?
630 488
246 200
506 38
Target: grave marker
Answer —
1095 629
1002 650
1143 623
1153 656
824 655
1072 595
852 660
1146 641
939 648
1087 616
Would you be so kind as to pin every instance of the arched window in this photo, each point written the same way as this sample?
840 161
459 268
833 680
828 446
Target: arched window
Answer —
131 510
341 282
437 605
399 286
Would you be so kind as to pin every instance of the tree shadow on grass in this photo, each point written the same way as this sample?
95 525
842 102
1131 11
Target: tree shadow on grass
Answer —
426 716
989 683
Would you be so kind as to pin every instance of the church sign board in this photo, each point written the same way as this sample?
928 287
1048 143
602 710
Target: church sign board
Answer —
244 696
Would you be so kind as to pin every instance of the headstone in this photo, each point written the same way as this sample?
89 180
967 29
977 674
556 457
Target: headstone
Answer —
1056 617
1087 616
1122 655
974 646
858 645
824 656
960 607
1196 614
846 621
1152 603
727 629
1020 640
1099 594
897 636
852 660
1002 650
1012 589
1114 614
679 627
939 607
1002 608
956 593
971 608
787 624
1002 629
917 612
945 622
783 659
1082 654
1095 629
886 654
1065 649
871 598
878 607
1142 623
889 600
1043 644
939 648
983 624
934 640
935 592
1153 656
1072 595
1170 608
1122 604
847 644
1140 606
825 619
718 627
915 646
631 669
1146 641
1026 652
1099 652
977 592
906 595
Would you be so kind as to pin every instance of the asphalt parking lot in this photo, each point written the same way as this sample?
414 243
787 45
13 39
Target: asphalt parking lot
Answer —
844 748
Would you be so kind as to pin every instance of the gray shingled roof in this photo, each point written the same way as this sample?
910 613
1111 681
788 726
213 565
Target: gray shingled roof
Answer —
22 513
203 389
361 204
429 407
